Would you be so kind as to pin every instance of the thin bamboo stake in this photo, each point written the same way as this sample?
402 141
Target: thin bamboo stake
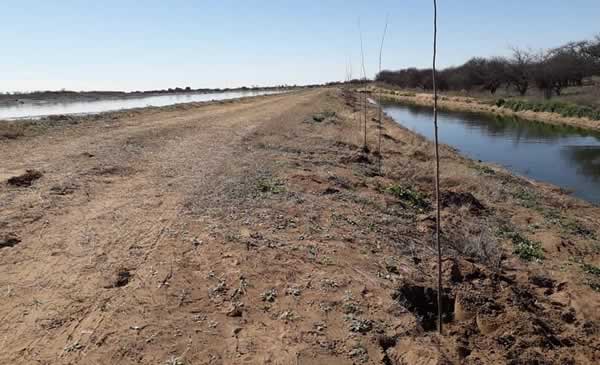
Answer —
437 174
379 98
362 52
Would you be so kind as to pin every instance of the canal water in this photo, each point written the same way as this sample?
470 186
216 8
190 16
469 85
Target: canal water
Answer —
103 105
568 157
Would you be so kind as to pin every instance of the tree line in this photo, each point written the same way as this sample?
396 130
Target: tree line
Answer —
550 71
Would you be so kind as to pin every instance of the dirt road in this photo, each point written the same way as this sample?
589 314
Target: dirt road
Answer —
255 231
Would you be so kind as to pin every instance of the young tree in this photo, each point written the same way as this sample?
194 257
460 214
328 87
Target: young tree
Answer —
437 174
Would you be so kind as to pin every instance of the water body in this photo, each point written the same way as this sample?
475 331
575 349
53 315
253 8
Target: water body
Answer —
568 157
97 106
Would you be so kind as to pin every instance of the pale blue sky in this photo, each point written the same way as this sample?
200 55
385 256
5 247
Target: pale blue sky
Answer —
130 45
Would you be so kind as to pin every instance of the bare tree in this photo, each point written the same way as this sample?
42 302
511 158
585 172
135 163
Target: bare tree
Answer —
437 173
518 70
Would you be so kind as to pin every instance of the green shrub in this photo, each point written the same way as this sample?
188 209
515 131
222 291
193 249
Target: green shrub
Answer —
270 186
409 196
523 247
529 250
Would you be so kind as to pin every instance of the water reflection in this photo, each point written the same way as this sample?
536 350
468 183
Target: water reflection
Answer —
565 156
587 159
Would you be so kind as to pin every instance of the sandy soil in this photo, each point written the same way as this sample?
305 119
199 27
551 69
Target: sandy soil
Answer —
469 104
256 231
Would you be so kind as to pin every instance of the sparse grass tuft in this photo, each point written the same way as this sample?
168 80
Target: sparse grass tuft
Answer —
484 170
529 250
174 360
270 186
523 247
413 198
591 269
568 225
323 116
594 272
574 227
527 198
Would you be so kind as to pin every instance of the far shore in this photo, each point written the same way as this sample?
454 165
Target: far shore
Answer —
66 96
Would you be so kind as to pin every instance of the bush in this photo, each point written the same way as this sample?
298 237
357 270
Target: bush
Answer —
410 197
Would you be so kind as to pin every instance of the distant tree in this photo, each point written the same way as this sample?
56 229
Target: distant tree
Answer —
494 75
518 70
550 71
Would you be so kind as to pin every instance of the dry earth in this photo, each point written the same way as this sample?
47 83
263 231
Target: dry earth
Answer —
255 231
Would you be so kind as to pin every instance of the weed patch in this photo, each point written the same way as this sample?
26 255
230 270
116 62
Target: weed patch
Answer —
574 227
484 170
323 116
412 198
523 247
591 269
527 198
594 272
270 186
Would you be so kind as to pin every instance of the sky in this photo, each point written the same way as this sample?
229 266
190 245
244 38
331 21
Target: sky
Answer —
155 44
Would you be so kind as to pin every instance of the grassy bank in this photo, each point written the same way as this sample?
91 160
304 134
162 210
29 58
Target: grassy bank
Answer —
567 110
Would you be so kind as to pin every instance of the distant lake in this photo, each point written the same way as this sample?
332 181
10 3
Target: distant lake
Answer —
565 156
38 110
